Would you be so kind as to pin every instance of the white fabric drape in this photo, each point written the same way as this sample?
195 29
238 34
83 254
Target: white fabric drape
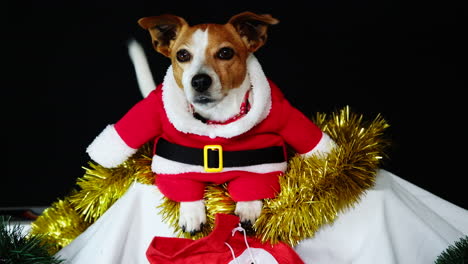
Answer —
395 222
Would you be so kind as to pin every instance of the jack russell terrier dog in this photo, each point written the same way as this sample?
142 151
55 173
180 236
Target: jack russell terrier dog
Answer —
216 118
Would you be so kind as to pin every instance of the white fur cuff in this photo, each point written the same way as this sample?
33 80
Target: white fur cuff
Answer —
108 149
324 147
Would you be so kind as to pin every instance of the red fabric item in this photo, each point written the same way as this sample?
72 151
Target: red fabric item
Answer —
284 125
241 186
213 248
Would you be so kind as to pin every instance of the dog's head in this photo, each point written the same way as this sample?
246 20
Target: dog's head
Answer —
208 60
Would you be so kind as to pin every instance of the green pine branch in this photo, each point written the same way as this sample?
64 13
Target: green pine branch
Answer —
455 254
16 248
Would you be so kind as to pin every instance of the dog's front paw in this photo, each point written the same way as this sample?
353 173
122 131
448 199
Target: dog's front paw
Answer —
249 211
192 216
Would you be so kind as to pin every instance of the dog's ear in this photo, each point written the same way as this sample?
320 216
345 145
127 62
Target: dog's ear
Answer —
163 30
252 28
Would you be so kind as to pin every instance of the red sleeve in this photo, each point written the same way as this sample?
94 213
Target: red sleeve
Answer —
142 122
298 131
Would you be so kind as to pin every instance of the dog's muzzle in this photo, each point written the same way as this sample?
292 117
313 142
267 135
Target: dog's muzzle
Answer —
201 83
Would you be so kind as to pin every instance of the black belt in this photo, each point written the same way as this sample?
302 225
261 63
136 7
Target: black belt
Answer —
213 158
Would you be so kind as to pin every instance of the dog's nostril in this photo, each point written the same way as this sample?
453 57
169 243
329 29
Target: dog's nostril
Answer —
201 82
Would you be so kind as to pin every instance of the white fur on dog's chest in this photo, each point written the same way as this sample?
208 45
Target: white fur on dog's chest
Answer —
177 107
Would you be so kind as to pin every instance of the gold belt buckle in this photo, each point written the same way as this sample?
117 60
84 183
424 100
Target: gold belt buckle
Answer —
219 148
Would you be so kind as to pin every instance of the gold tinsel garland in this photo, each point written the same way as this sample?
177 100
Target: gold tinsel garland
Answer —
59 225
99 188
313 190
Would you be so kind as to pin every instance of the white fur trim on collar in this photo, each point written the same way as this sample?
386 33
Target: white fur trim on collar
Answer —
178 113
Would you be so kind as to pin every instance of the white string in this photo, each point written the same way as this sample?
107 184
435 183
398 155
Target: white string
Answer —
240 229
232 252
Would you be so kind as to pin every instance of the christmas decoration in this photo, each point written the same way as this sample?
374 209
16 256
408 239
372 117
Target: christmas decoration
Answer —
16 247
227 243
455 254
59 224
99 189
314 189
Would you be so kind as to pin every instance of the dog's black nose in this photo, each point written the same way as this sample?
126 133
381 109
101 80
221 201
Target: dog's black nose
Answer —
201 82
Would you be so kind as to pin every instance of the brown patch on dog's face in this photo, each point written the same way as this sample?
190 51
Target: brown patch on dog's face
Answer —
227 55
184 41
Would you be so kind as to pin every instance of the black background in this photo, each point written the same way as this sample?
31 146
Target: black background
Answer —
67 75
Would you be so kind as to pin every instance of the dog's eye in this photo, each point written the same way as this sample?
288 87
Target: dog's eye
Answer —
183 55
225 53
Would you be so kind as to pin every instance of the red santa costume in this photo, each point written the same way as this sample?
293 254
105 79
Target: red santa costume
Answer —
165 115
394 222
